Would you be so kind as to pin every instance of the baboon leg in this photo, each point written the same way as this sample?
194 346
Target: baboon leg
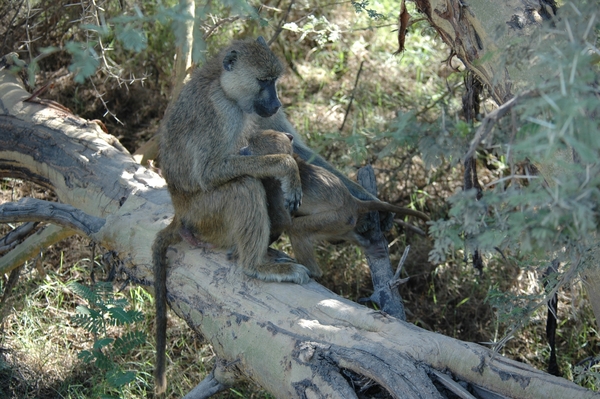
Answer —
250 229
306 230
304 252
279 216
280 219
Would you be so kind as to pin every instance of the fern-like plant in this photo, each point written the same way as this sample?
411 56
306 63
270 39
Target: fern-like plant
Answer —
104 310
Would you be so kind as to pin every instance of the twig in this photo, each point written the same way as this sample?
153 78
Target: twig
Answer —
490 120
396 280
452 385
447 93
410 227
13 238
10 284
511 177
352 96
10 25
217 24
281 22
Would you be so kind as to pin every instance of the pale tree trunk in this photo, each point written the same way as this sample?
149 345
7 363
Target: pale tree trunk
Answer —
183 53
296 341
183 65
481 33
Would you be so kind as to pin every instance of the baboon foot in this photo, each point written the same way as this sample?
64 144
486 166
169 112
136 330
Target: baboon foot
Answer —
311 264
280 272
275 256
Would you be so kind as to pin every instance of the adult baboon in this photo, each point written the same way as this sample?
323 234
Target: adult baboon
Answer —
217 194
328 211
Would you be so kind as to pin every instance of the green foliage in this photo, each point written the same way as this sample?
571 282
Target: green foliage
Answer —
102 311
85 60
111 37
133 39
587 374
320 28
557 128
440 141
363 6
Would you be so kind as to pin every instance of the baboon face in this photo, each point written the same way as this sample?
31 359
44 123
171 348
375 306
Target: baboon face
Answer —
267 102
249 77
269 142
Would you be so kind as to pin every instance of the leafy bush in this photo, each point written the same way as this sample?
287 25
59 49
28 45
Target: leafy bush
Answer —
527 217
102 311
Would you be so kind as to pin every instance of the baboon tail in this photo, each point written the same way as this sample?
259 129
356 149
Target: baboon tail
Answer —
376 205
164 238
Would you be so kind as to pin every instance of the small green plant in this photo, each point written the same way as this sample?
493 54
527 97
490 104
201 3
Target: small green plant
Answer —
103 311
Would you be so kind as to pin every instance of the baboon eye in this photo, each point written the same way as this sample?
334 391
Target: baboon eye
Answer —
265 82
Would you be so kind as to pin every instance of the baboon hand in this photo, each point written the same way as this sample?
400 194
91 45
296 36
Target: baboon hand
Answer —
292 195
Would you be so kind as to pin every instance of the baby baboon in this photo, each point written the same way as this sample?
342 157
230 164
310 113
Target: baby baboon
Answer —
328 211
280 123
217 193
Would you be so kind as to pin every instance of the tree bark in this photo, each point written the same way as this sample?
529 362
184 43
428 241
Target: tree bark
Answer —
296 341
482 34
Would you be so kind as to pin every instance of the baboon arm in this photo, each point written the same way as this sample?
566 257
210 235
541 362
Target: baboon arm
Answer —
279 166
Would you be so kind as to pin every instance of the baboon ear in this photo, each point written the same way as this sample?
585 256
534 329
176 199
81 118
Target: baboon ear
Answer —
290 136
230 60
262 41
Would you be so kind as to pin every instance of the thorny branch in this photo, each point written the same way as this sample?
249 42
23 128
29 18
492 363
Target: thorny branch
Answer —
490 120
281 22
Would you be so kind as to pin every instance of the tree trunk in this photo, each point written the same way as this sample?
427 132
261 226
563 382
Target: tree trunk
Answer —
482 34
296 341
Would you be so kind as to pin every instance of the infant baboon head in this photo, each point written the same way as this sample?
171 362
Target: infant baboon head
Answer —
269 142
